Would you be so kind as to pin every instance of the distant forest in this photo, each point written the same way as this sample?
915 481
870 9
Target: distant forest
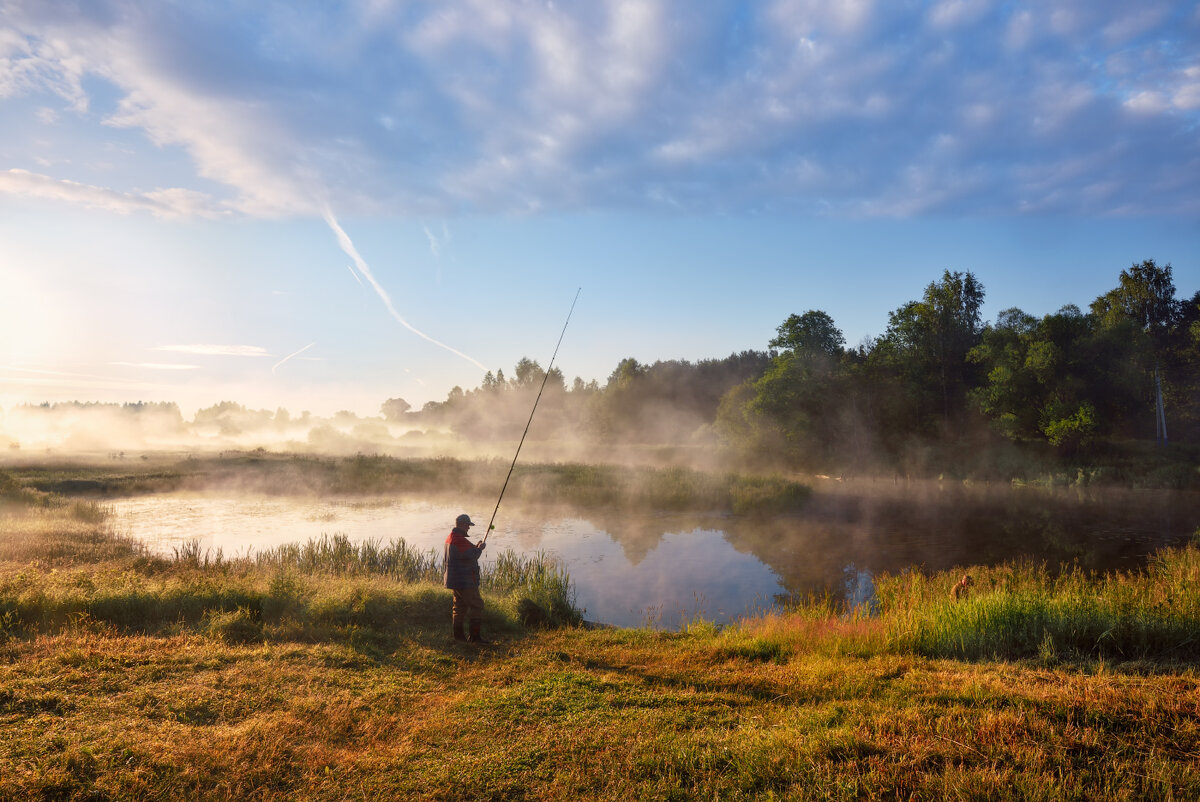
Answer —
939 386
940 391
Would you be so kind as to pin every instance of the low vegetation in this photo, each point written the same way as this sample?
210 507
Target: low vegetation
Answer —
572 485
325 671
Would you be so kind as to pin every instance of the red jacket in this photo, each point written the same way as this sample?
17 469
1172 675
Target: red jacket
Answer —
461 561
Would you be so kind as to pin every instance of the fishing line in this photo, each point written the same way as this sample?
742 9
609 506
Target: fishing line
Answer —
545 378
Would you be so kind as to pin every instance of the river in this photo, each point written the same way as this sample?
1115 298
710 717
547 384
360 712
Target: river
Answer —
665 570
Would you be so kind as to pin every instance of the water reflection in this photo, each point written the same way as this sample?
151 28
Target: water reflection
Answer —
684 575
665 569
859 590
655 576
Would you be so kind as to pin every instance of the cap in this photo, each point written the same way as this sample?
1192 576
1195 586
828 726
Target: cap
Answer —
464 520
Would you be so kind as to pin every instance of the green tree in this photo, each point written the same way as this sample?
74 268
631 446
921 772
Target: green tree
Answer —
1010 392
793 409
927 342
811 336
1145 295
1063 379
624 374
530 374
394 408
1145 298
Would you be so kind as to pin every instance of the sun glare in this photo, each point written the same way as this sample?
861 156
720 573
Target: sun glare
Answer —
33 324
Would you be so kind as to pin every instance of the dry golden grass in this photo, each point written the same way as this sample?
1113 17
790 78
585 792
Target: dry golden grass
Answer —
574 713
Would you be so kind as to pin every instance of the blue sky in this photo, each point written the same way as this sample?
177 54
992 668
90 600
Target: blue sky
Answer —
321 206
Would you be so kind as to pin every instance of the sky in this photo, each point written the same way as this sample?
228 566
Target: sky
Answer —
321 206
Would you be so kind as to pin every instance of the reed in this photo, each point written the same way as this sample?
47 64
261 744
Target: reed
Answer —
1024 611
336 555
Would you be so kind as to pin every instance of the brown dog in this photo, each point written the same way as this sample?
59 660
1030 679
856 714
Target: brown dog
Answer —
963 588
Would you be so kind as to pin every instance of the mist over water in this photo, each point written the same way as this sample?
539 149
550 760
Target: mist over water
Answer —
685 574
664 570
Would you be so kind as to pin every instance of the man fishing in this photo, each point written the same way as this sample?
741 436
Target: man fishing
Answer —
462 577
462 556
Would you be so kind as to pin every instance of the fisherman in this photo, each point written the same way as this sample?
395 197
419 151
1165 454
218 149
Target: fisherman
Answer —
462 577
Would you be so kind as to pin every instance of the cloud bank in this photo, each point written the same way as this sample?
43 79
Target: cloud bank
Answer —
443 107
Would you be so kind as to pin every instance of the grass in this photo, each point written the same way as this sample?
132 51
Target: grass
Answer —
569 484
326 672
1022 611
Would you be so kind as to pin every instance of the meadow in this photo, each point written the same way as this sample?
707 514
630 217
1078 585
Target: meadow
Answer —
325 670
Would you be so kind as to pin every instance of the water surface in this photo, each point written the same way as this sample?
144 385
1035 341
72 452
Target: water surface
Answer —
633 569
688 571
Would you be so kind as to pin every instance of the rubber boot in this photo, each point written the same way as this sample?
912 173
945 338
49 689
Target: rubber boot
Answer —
475 637
458 630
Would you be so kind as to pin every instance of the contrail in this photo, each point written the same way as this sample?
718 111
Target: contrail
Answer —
356 278
289 356
433 243
348 246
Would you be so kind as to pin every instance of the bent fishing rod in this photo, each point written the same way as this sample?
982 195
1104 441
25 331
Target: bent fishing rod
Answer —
491 523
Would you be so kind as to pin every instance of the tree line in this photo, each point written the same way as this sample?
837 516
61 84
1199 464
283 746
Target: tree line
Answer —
939 379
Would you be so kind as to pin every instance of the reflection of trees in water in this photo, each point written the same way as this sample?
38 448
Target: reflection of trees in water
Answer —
934 527
640 534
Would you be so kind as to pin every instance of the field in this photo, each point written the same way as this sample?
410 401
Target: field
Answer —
326 671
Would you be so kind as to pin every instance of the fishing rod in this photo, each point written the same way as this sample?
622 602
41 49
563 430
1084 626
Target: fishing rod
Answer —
531 412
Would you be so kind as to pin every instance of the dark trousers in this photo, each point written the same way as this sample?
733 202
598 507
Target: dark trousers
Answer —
468 605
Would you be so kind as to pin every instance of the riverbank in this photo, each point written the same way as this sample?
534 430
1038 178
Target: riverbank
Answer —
565 484
331 676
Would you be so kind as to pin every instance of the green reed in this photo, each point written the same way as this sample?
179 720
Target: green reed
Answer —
1025 611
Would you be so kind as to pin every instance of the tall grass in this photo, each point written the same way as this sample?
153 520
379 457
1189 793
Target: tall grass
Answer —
1024 611
61 565
41 526
336 555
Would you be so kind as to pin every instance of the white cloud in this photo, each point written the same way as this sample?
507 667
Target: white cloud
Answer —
1187 97
1135 20
1018 32
435 247
156 365
1147 103
801 17
437 107
950 14
37 64
163 203
215 350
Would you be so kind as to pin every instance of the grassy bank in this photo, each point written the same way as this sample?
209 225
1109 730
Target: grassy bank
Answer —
325 672
572 485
